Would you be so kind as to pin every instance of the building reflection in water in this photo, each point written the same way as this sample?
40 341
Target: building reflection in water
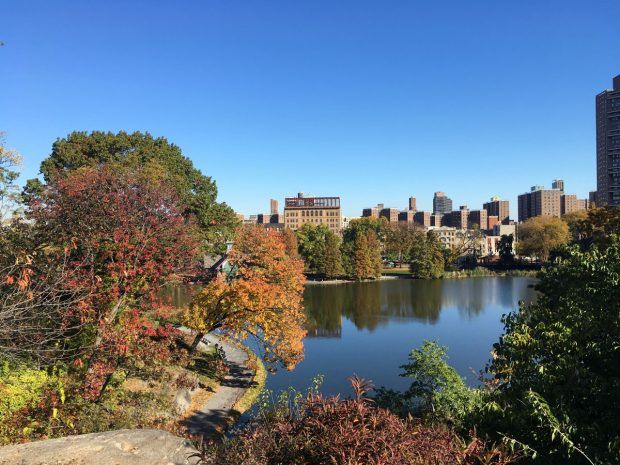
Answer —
372 304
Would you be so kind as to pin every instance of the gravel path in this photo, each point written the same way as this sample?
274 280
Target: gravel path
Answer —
218 412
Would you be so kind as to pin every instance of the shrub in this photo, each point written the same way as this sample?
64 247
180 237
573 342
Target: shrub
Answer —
317 429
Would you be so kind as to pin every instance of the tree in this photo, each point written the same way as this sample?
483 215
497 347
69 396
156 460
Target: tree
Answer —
312 239
505 249
540 235
10 160
157 159
290 242
601 226
399 238
332 260
574 220
262 298
350 235
427 257
125 235
366 256
557 367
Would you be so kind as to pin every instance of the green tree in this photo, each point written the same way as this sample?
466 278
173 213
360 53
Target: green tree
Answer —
557 367
350 234
600 226
156 157
10 160
332 260
427 257
540 235
505 249
311 240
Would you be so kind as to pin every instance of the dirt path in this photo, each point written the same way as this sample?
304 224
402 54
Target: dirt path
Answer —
218 412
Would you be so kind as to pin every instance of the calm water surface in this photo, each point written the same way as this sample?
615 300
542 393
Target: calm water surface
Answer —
370 328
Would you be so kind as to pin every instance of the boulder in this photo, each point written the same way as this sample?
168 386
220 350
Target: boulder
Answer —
122 447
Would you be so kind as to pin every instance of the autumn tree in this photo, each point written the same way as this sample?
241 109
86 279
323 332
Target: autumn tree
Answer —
399 238
261 298
290 242
540 235
367 262
600 226
157 159
127 235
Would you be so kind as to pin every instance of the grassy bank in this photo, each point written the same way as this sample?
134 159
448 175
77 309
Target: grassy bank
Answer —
484 272
258 383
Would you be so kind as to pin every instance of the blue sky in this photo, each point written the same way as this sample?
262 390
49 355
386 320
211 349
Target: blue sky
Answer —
370 100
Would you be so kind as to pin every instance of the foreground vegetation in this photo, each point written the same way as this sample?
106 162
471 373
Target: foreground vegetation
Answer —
548 396
86 339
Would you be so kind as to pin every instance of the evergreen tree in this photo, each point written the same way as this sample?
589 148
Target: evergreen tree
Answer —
332 259
427 257
361 258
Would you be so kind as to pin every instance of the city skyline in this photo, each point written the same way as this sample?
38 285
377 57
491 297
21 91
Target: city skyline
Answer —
442 97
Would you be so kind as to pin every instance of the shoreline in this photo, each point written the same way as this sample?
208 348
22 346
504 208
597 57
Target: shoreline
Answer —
448 275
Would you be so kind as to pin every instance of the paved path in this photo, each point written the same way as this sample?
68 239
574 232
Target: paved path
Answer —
216 414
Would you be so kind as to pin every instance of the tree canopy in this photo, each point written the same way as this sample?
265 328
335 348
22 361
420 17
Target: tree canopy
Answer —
262 298
154 157
540 235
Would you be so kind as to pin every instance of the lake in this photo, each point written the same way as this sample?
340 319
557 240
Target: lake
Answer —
369 328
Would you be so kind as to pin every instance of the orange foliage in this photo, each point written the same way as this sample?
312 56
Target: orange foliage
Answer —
262 297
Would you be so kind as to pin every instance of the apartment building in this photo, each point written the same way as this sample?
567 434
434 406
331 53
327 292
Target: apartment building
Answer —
539 202
608 145
498 207
478 217
315 210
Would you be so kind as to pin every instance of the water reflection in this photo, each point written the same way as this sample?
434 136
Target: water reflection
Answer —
374 304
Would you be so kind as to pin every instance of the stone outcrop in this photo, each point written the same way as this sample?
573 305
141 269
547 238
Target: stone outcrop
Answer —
122 447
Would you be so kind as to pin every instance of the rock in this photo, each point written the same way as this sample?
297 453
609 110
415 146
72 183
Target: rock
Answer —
122 447
182 400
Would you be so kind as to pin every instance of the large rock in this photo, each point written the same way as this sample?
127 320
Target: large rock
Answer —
122 447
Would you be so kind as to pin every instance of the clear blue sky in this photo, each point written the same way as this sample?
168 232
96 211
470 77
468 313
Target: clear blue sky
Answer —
372 101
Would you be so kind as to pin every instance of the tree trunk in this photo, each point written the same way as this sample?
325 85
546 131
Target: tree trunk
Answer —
194 345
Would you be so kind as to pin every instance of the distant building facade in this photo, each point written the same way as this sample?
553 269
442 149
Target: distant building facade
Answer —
456 219
315 210
608 145
441 204
413 204
478 217
539 202
423 219
406 216
499 208
391 214
373 212
273 206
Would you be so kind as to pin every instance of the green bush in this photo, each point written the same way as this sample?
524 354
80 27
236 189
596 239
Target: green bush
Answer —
20 387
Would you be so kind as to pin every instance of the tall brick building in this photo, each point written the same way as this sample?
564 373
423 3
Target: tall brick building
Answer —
608 145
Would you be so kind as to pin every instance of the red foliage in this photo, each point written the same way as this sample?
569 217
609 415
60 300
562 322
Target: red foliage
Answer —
126 235
348 432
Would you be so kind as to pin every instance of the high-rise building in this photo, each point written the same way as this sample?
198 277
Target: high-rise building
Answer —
539 202
423 219
273 206
441 204
569 203
478 217
608 145
412 204
456 219
372 212
391 214
315 210
406 216
499 208
558 184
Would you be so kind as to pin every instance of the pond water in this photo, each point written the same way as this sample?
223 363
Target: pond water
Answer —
369 328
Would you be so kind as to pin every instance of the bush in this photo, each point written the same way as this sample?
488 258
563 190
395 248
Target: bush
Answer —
316 429
437 392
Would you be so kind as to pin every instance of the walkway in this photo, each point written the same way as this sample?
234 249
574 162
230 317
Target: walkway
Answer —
217 414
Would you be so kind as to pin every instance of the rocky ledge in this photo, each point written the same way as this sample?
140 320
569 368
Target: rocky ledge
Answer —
122 447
